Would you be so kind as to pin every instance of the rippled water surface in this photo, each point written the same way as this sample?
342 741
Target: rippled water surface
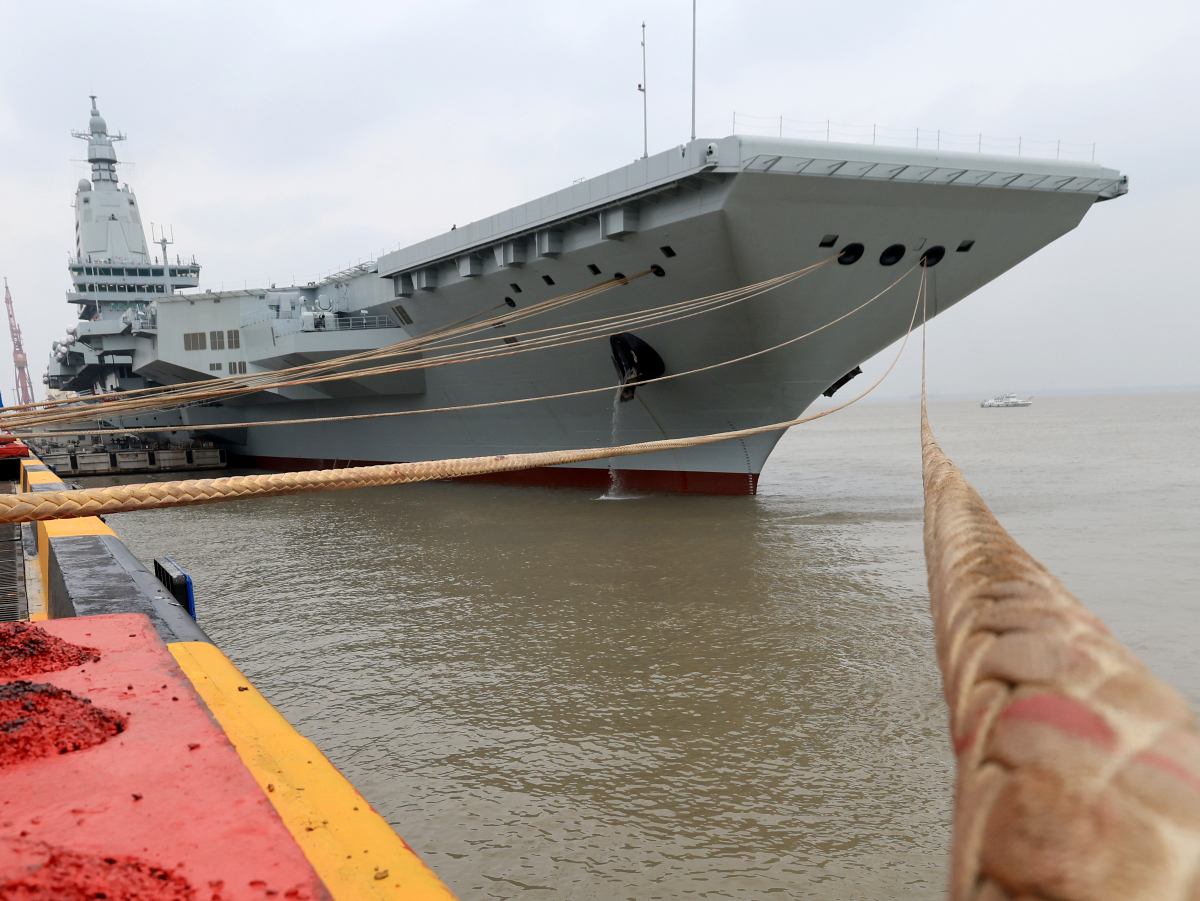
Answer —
550 696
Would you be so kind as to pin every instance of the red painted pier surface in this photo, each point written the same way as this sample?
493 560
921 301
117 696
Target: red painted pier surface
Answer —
557 476
117 782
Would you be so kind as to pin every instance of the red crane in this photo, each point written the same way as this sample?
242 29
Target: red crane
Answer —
20 361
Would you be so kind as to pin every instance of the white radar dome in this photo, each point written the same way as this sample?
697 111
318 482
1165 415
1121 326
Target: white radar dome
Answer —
85 185
98 126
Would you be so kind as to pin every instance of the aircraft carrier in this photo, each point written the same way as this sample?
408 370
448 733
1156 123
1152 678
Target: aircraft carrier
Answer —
707 216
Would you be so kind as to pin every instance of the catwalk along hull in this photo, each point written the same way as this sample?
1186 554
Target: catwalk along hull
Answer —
713 216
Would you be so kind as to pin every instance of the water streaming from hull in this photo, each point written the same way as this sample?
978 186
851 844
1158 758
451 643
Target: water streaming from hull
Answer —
616 489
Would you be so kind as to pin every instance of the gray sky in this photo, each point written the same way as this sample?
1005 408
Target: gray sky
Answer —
288 139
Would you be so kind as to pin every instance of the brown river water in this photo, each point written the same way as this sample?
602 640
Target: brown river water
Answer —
555 696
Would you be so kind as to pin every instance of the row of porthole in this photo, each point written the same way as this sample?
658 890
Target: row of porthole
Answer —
892 255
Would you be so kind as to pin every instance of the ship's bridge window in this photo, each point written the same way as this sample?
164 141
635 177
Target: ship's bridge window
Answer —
102 288
77 270
141 289
88 271
103 271
158 289
157 273
145 273
174 273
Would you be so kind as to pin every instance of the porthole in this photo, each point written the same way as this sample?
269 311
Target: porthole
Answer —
828 241
548 280
658 270
965 246
618 275
851 254
892 255
933 256
593 269
667 251
510 301
516 288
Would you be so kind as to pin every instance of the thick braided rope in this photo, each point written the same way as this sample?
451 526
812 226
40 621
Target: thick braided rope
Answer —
35 506
1078 771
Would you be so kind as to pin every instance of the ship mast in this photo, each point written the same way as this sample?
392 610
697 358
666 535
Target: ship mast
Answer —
20 362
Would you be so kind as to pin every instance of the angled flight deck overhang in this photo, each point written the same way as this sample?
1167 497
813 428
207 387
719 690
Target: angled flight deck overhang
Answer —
614 196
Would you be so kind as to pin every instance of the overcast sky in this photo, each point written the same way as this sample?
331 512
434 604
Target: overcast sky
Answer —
288 139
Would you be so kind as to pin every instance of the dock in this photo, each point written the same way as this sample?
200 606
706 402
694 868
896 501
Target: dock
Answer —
109 461
136 760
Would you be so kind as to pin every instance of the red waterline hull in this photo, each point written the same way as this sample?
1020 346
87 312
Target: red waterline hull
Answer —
555 476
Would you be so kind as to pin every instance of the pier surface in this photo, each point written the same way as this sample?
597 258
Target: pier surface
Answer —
137 761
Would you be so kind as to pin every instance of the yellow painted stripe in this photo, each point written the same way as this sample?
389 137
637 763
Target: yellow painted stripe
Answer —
352 848
58 528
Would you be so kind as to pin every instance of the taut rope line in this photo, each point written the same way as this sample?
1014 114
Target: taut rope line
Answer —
160 397
498 403
555 336
35 506
1078 772
164 397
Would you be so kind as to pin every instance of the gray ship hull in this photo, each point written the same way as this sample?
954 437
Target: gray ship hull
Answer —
761 208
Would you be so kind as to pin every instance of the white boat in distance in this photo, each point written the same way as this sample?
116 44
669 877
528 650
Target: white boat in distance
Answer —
1007 400
709 216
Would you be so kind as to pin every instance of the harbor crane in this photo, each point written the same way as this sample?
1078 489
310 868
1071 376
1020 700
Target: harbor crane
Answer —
20 362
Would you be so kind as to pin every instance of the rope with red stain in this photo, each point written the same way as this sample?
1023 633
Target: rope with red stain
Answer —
1078 771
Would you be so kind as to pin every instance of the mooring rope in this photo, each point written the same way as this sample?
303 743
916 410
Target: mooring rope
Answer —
36 506
164 396
1078 771
462 351
477 406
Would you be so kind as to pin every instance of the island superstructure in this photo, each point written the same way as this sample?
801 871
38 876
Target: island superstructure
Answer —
708 216
115 280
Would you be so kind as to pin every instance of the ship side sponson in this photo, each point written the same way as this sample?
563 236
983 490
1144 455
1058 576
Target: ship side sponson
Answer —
711 216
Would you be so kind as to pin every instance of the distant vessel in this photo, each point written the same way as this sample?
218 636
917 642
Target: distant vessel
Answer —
709 216
1007 400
